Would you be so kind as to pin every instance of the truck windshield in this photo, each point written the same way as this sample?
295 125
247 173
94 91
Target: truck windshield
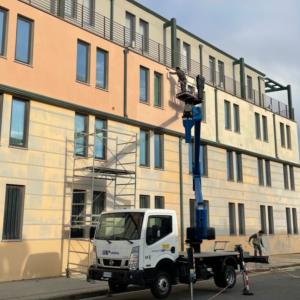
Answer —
120 226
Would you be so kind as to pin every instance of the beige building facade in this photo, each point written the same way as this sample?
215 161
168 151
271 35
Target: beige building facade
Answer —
87 84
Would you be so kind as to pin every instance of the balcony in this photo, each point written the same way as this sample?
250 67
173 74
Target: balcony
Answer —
105 28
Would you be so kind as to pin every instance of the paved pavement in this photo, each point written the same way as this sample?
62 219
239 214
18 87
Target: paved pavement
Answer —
63 288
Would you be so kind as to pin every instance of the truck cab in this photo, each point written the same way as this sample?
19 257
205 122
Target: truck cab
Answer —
134 246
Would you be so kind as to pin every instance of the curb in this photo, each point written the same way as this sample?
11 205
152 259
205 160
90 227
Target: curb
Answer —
274 268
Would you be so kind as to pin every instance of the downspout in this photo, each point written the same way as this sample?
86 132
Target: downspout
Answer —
174 43
216 116
126 51
275 136
201 59
290 102
112 7
181 196
242 78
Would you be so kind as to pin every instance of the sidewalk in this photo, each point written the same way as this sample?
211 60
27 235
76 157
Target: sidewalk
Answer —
67 289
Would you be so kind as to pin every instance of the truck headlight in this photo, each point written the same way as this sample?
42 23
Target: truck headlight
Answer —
133 263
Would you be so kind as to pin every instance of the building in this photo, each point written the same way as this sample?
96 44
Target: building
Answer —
70 69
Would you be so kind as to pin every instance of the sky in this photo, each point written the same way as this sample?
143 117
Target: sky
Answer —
265 32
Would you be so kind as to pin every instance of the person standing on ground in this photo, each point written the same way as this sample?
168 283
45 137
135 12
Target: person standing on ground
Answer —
257 242
181 78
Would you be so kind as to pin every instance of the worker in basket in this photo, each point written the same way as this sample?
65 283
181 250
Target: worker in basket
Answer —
257 242
181 78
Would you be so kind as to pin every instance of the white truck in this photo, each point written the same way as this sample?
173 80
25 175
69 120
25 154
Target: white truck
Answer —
141 247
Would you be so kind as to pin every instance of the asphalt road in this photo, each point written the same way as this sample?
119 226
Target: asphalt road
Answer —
275 285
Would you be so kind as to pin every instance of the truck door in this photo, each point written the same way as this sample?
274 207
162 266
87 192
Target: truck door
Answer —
161 240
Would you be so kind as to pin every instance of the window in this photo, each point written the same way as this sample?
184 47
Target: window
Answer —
144 148
230 173
158 227
257 126
89 12
288 220
144 31
130 29
144 201
263 218
100 139
271 219
144 84
24 40
186 53
212 69
249 87
98 204
3 21
285 177
193 206
227 113
265 128
81 137
78 213
288 137
178 52
282 135
13 212
158 151
292 178
159 202
260 169
242 227
232 219
157 89
19 123
295 220
102 69
203 110
268 173
83 61
239 167
221 70
236 115
202 160
70 8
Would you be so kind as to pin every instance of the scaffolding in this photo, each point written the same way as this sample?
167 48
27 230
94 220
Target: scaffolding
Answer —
104 168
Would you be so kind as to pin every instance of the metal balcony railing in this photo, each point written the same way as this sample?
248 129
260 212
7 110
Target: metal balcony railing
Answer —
103 27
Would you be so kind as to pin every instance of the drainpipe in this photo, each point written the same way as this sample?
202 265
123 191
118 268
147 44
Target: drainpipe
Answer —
174 42
126 51
290 102
201 59
181 196
242 78
112 19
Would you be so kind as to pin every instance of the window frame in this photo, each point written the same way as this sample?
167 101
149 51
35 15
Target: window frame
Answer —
88 62
232 219
3 51
227 115
230 165
26 124
241 219
268 173
132 31
265 128
187 47
147 198
212 69
257 126
263 218
289 220
104 139
161 150
20 233
286 177
163 237
249 87
260 171
147 73
288 137
147 148
86 138
295 221
271 219
106 66
157 199
292 178
144 38
236 118
282 135
29 61
160 92
221 77
239 167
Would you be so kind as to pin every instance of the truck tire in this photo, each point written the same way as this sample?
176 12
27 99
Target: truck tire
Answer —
226 278
117 286
162 285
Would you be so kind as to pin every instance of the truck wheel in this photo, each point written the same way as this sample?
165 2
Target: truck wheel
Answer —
116 286
227 278
161 286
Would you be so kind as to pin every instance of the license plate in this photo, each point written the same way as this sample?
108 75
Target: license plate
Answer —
107 274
